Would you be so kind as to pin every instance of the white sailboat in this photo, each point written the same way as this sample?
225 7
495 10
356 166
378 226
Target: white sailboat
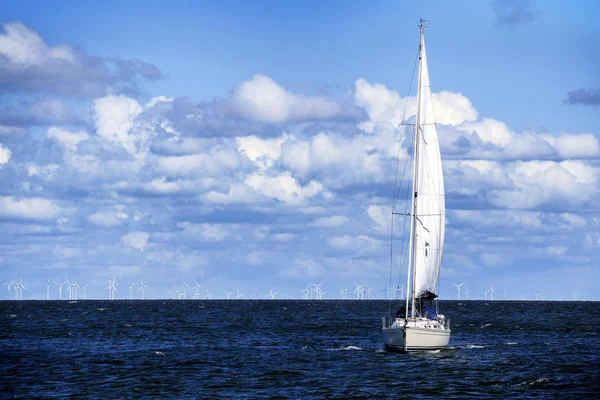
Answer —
417 326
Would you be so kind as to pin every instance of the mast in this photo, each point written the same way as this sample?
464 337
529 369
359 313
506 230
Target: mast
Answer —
422 26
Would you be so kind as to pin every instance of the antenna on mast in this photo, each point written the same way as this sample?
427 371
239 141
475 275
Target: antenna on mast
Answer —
424 24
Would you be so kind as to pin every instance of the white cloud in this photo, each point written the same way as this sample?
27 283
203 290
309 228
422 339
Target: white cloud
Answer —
381 215
208 232
29 208
340 160
575 146
489 130
384 105
331 222
238 193
263 152
283 187
216 162
65 138
360 244
4 154
262 99
162 186
25 47
108 218
114 117
136 239
283 237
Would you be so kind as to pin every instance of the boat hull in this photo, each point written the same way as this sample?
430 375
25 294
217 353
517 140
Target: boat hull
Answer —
417 338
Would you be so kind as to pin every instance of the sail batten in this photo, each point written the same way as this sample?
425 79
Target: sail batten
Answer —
430 198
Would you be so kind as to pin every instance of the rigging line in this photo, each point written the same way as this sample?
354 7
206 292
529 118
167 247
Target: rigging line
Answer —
396 176
405 243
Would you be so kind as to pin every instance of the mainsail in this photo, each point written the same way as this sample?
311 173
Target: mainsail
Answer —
430 203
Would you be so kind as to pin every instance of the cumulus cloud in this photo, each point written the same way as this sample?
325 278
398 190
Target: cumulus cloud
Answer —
136 240
331 222
114 117
387 106
360 244
208 232
4 154
36 208
283 187
263 152
262 99
65 138
30 64
109 218
381 216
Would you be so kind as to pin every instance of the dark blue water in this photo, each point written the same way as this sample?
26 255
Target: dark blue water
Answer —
292 349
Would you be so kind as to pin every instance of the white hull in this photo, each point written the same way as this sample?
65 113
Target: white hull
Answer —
420 336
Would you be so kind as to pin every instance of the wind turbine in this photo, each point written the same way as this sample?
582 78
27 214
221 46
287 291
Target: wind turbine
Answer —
271 295
142 287
21 287
208 295
575 295
458 287
228 294
467 291
343 292
492 291
256 293
8 287
239 294
179 294
85 291
197 288
369 291
131 285
185 286
47 289
358 290
60 289
112 287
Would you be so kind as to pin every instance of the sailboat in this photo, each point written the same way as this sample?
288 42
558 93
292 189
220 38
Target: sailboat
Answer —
417 326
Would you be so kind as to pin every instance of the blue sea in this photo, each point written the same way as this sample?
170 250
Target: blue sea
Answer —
292 349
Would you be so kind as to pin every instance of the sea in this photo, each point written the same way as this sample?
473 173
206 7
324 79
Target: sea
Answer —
292 349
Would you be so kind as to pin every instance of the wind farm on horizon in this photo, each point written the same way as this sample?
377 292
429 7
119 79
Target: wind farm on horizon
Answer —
136 290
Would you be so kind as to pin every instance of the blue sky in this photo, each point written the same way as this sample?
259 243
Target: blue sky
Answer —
252 145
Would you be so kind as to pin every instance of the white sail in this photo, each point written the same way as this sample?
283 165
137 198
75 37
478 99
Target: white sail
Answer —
430 209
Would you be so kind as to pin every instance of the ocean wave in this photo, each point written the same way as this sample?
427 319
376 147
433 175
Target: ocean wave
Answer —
346 348
474 346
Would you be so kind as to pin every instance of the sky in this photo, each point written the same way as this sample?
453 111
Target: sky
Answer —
253 145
